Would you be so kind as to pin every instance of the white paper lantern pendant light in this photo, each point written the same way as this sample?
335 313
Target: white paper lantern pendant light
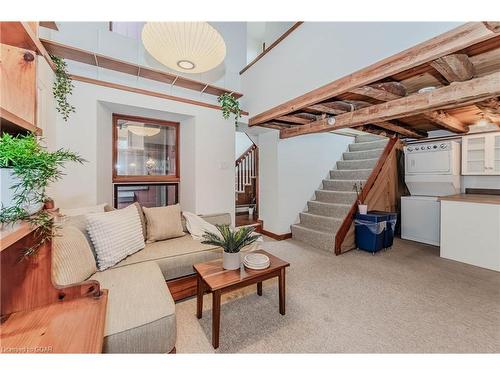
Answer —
190 47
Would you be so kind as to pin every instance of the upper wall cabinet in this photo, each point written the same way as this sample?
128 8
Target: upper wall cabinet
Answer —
481 154
18 88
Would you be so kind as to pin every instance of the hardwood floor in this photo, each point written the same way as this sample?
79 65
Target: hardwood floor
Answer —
245 219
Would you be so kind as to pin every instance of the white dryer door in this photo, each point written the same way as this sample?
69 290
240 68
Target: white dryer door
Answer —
433 162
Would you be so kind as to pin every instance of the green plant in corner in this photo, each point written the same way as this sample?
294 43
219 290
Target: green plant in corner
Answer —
229 105
232 241
33 168
63 86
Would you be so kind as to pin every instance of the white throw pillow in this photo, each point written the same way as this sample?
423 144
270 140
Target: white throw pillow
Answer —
197 226
115 235
82 210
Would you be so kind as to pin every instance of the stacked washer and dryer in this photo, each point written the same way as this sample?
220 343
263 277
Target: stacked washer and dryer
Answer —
432 169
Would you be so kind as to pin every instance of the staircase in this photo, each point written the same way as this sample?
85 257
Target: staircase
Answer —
325 214
246 170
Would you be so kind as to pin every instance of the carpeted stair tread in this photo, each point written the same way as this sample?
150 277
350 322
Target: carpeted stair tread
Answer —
366 154
337 210
365 146
350 174
329 196
341 185
363 138
320 222
317 238
357 164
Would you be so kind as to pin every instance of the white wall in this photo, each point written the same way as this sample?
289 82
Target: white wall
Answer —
242 143
290 171
263 32
206 148
317 53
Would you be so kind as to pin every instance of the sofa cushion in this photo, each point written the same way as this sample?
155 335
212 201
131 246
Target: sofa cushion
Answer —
72 258
115 235
163 222
83 210
176 256
140 315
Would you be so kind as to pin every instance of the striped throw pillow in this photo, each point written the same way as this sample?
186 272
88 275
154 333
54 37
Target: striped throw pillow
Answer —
115 235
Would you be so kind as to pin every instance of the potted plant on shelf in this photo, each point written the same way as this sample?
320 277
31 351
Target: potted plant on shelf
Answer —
358 187
231 241
27 168
229 104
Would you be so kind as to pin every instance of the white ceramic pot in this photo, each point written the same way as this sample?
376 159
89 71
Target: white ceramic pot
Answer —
363 209
7 180
231 261
250 211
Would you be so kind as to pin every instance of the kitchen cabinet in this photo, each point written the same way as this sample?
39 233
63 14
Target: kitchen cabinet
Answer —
481 154
470 229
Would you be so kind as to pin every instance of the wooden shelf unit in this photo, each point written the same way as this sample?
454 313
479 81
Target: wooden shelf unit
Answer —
38 316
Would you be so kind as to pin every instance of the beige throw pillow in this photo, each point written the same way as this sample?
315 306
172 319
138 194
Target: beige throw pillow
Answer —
72 258
163 222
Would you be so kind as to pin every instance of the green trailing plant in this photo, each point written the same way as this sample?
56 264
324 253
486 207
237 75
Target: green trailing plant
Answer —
36 168
232 241
63 86
230 105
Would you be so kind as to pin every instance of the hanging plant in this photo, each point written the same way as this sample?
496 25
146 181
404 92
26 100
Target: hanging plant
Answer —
33 168
63 86
229 105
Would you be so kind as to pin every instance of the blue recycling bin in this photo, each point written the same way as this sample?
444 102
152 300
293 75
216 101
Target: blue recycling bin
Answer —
391 219
370 231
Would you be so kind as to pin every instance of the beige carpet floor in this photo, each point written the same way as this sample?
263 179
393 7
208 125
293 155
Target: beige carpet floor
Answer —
406 299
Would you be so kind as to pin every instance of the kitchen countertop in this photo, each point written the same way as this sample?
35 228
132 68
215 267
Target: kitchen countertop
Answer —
473 198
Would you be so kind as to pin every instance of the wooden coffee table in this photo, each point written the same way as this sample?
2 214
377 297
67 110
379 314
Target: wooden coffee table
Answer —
212 278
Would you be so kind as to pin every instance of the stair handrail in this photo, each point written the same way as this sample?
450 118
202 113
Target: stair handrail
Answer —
244 154
346 224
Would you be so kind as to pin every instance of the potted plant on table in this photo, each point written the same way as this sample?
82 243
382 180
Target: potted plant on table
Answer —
27 168
231 241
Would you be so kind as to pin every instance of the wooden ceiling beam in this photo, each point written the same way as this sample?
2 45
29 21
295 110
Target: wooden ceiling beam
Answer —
49 24
323 109
400 129
460 93
491 110
446 121
295 119
382 91
450 42
306 116
454 68
493 26
439 119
